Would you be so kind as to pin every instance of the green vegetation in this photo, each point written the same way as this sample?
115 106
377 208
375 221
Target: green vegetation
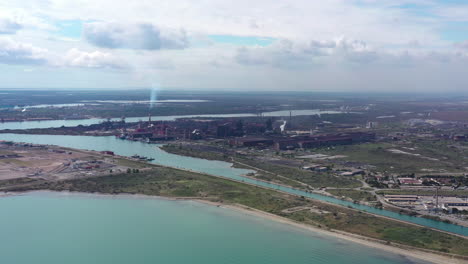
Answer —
422 238
290 175
353 194
131 163
19 181
378 154
313 179
193 151
443 150
170 182
370 226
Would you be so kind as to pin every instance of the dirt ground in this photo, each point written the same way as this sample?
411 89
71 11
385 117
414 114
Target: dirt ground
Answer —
26 160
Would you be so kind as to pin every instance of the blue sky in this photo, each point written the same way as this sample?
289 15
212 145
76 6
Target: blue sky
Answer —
455 31
448 29
242 40
243 44
70 28
73 29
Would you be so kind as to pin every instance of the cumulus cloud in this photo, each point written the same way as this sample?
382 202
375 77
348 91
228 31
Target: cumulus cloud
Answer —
17 53
96 59
319 48
286 53
12 52
343 53
8 26
383 40
134 36
356 51
462 45
283 54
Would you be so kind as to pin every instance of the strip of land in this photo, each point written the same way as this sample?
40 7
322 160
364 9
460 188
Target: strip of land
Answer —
174 183
358 188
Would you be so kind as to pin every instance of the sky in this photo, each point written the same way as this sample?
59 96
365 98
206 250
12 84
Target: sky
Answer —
300 45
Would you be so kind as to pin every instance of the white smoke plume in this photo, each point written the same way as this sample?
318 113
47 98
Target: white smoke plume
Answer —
153 95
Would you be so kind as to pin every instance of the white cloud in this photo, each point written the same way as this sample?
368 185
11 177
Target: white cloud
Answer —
336 44
13 52
8 26
282 18
96 59
282 53
134 36
357 51
18 53
289 54
346 54
462 45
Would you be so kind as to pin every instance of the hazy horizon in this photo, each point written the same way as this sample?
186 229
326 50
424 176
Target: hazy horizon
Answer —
345 46
239 91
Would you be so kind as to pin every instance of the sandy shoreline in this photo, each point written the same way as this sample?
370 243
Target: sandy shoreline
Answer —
369 242
310 191
260 180
433 257
425 255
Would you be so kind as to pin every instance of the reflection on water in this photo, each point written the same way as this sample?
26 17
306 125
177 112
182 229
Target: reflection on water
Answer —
56 228
87 122
219 168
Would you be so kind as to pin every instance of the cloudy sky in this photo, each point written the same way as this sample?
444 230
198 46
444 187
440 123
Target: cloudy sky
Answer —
332 45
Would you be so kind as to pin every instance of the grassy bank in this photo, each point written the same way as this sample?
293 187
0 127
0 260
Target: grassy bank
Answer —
270 170
162 181
353 194
381 156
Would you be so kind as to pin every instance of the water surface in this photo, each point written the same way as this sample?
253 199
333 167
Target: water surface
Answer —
91 121
57 228
218 168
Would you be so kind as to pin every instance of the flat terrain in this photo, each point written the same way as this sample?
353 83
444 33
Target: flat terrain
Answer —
286 170
162 181
420 157
53 163
414 137
269 169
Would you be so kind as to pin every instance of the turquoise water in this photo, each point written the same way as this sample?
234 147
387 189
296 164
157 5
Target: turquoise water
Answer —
87 122
57 228
219 168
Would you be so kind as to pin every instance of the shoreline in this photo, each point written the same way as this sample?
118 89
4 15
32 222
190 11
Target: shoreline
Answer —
317 200
187 115
259 186
441 257
314 191
393 248
408 251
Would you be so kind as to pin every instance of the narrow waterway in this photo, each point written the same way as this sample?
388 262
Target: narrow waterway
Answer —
92 121
219 168
57 228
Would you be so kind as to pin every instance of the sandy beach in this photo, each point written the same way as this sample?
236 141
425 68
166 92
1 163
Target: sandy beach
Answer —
425 255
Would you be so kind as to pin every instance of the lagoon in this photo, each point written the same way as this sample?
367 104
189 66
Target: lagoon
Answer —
217 168
56 228
91 121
